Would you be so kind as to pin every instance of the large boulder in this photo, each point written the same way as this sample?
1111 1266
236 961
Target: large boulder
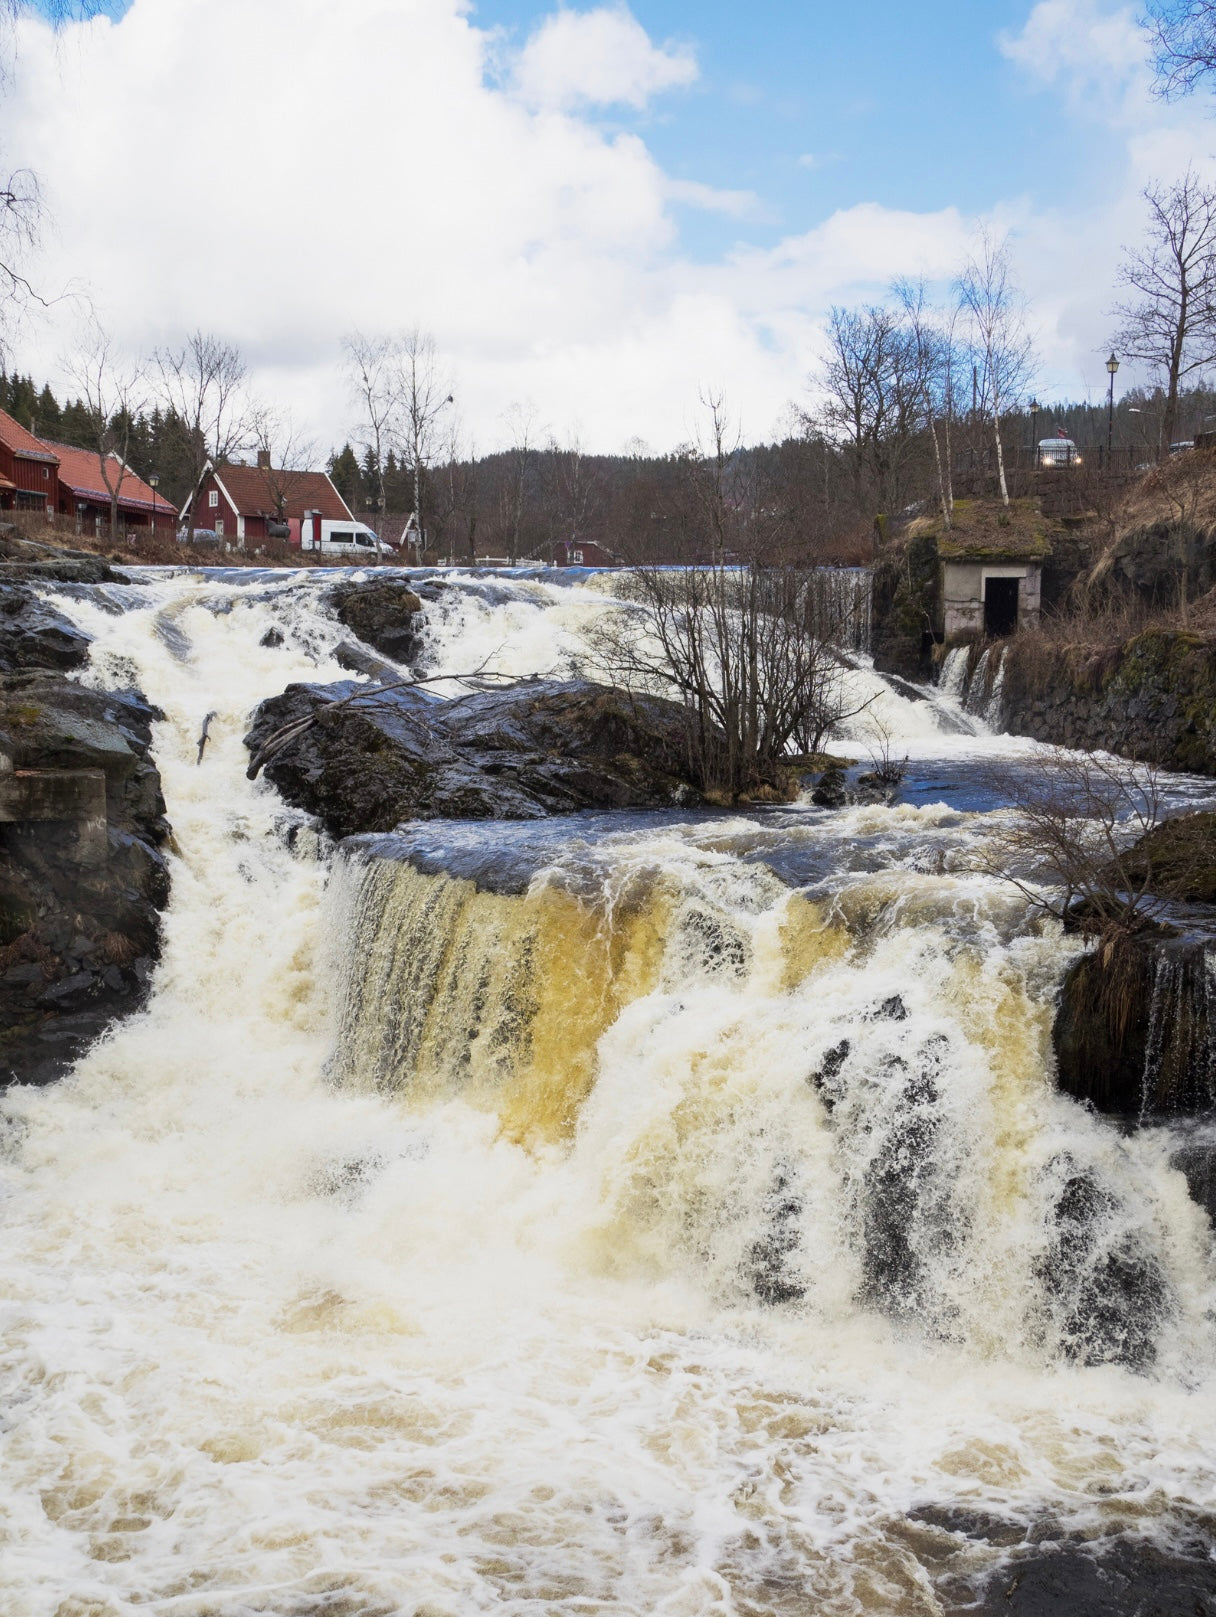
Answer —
385 613
34 635
79 907
537 748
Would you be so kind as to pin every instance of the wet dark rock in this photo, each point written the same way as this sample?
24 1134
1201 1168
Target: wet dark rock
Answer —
28 560
1195 1159
272 637
34 635
542 747
79 919
768 1260
385 613
1133 1033
1106 1291
1122 1577
1176 859
831 789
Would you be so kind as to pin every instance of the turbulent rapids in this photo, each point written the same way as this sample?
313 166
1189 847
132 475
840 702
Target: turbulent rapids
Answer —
634 1214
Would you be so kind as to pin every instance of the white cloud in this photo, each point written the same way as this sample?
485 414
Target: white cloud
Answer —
1097 53
602 57
281 173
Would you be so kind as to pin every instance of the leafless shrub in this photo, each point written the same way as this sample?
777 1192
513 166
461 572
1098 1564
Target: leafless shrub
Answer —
1066 842
738 646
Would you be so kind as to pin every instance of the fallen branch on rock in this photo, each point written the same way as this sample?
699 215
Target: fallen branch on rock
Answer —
283 737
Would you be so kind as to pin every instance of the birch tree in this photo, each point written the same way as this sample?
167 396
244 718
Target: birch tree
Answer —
112 391
1169 321
204 382
1004 355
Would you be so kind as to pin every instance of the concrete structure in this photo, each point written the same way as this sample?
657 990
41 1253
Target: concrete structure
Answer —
992 597
73 796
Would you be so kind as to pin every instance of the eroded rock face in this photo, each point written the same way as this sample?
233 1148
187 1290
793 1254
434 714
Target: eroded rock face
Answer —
34 635
79 915
538 748
385 614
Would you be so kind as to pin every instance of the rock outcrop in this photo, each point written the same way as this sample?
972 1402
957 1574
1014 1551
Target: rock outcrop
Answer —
34 635
385 613
1152 698
80 893
541 747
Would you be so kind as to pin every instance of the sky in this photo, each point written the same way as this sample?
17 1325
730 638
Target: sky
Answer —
599 211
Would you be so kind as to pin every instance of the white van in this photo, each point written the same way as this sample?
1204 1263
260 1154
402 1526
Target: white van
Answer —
338 537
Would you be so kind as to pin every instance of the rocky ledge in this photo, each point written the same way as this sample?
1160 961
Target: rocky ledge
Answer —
537 748
82 875
386 613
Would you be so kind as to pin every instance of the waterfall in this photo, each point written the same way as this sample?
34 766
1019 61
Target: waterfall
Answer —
841 605
634 1214
1180 1053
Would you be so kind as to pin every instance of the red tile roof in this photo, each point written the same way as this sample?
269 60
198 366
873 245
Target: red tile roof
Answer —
80 471
14 436
256 492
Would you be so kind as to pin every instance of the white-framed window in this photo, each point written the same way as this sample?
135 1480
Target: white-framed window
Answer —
213 499
219 525
46 474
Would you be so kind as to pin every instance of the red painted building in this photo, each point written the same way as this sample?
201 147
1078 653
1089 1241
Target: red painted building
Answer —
583 553
248 504
85 500
29 471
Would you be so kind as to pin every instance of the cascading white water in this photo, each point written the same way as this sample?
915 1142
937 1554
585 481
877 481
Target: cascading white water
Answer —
706 1232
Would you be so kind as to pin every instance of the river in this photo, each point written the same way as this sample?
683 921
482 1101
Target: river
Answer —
690 1227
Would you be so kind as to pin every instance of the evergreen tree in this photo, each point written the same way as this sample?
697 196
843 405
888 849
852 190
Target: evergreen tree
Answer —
345 476
49 415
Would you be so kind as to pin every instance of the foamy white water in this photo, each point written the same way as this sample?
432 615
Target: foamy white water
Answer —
306 1312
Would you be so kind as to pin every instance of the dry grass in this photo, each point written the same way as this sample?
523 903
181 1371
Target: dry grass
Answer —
143 548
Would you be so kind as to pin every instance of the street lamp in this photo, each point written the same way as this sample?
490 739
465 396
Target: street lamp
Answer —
154 484
1034 429
1112 365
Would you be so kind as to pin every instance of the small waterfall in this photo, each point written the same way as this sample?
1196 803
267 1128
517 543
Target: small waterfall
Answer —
840 604
1180 1051
975 682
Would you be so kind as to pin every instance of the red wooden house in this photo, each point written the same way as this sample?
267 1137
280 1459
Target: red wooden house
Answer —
29 470
85 500
583 553
249 504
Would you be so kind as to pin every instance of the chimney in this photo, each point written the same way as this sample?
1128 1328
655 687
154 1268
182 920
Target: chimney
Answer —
263 460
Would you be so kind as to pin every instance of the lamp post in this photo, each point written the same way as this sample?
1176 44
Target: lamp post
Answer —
1112 365
1034 432
154 484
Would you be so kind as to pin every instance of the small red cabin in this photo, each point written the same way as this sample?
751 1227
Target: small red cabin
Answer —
583 553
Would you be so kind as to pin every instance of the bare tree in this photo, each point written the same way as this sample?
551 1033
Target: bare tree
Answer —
1003 353
1169 322
933 369
875 389
111 389
1068 841
573 487
424 393
521 420
375 382
1183 33
203 381
283 455
736 645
